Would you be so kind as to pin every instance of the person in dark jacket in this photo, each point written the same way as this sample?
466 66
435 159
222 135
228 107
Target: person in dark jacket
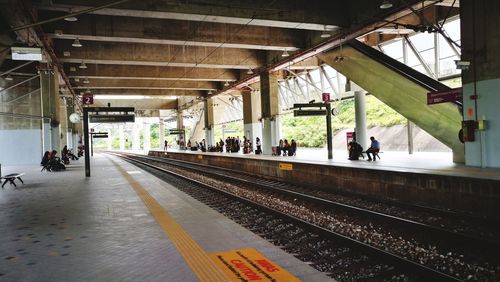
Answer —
355 150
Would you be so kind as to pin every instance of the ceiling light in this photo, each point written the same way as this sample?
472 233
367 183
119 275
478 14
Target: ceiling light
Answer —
87 91
210 92
9 78
77 79
82 65
285 54
58 32
70 18
86 81
250 71
385 4
76 43
226 84
325 34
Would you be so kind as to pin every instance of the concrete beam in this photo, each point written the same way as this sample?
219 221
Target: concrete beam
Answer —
174 32
144 84
160 55
151 72
146 92
297 14
138 104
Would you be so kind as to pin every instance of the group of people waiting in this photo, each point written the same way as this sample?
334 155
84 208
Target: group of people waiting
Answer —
356 150
285 148
51 162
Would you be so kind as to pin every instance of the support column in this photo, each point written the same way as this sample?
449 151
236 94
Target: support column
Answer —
109 140
146 135
180 125
409 125
251 114
121 132
360 115
209 122
136 137
161 133
50 105
479 40
270 110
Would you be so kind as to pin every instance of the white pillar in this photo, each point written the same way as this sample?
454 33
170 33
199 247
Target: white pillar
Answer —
47 133
121 132
109 140
360 115
161 134
180 125
136 137
146 135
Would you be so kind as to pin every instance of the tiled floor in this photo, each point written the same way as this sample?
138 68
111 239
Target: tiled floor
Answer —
61 226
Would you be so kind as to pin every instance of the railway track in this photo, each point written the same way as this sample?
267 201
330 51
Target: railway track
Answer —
363 246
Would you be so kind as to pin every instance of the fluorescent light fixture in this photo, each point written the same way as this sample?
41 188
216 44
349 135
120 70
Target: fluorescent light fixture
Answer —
385 4
77 43
9 78
132 97
77 79
250 71
82 65
58 32
226 84
66 53
285 54
86 81
87 91
72 69
325 34
70 18
26 53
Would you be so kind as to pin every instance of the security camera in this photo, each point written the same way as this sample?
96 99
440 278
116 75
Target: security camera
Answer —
462 65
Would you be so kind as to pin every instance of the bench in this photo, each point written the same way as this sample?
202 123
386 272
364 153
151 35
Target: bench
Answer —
375 155
11 178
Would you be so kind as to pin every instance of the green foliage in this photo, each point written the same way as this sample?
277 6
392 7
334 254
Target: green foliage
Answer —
311 131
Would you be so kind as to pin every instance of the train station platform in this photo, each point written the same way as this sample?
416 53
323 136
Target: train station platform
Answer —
121 224
430 179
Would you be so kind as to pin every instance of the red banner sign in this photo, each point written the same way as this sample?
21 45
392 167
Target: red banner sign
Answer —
445 96
325 97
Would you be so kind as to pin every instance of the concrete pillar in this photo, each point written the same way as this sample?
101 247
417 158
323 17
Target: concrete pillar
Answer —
252 112
360 115
136 137
270 110
146 135
109 141
121 132
409 125
180 125
161 133
479 40
209 122
49 89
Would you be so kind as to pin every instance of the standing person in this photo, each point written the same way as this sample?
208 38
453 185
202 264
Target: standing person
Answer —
374 149
165 146
259 146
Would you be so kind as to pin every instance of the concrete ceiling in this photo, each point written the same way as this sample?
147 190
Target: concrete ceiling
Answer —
188 48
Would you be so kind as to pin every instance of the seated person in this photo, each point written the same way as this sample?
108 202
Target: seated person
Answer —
355 150
374 149
45 158
293 148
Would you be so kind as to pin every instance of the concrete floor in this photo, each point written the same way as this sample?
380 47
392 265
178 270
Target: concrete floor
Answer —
61 226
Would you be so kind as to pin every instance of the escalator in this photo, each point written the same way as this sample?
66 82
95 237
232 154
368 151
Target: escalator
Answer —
401 88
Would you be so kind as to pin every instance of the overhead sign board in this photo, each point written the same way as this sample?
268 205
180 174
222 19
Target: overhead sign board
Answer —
444 96
302 113
111 118
102 135
176 131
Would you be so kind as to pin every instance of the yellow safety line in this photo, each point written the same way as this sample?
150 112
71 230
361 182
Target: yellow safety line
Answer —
199 261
